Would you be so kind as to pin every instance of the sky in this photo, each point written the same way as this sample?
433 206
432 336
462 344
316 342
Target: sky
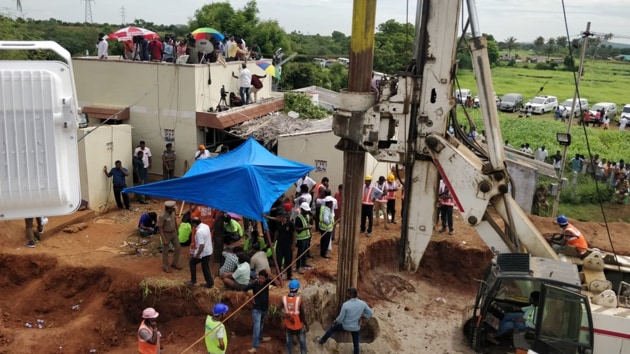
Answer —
524 20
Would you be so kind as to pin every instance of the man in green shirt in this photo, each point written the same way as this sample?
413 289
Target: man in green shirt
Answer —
233 230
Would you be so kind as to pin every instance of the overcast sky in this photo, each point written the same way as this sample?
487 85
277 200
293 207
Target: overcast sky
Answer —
524 20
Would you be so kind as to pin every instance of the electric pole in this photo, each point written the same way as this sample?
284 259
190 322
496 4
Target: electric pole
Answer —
88 10
585 36
122 15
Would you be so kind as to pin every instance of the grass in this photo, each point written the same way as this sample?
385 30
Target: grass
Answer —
603 81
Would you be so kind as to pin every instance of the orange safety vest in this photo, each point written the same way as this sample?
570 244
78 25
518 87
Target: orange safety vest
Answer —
575 238
367 197
316 190
292 308
391 190
146 347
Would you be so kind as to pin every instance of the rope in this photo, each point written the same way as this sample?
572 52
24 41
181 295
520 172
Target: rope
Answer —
253 297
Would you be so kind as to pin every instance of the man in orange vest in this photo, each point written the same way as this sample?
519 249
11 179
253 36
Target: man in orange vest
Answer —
570 236
392 186
367 205
380 203
294 317
446 207
148 335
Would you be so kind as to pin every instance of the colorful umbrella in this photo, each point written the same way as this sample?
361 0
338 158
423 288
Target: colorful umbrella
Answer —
127 34
206 32
268 68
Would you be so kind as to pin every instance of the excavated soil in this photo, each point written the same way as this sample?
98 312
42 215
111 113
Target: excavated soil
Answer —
88 289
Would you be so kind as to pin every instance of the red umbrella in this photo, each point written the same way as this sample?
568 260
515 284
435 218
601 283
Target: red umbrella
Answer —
127 34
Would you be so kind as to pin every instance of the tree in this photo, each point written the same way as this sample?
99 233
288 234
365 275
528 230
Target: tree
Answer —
393 44
539 43
216 15
510 44
561 41
270 36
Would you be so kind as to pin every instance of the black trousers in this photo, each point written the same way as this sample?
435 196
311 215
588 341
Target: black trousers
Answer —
367 211
391 208
302 246
205 268
324 242
284 255
446 214
117 197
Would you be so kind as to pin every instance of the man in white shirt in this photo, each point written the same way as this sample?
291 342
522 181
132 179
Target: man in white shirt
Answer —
146 154
102 46
202 153
244 83
541 154
201 254
304 180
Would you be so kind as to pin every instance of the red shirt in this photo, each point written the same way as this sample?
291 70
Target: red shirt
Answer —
155 49
256 81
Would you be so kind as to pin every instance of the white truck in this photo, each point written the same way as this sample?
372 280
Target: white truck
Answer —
579 311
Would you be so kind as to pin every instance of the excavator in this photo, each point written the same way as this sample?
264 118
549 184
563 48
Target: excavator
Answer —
407 124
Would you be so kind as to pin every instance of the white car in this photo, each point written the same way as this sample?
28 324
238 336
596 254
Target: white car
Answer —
543 104
625 113
568 104
609 107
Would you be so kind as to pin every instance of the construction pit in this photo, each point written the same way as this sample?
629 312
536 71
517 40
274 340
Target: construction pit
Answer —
83 291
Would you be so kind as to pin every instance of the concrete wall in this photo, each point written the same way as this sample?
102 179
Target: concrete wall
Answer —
307 148
102 147
160 96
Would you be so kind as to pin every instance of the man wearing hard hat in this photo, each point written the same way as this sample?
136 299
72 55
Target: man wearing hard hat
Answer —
216 335
148 335
202 153
295 324
367 205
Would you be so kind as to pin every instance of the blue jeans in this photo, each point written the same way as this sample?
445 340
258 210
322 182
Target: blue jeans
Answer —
338 327
509 323
244 93
301 334
259 321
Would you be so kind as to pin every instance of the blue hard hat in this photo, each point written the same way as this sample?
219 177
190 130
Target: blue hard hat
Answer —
294 284
220 309
562 220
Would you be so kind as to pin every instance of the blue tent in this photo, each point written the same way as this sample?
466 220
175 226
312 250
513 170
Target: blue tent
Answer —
246 181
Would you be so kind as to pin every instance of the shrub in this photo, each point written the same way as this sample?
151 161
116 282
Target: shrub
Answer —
302 104
586 191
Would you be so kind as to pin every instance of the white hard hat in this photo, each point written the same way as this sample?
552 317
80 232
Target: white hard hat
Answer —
150 312
329 199
304 206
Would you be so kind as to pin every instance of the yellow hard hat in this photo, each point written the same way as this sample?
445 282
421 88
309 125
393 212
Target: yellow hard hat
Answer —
390 178
368 178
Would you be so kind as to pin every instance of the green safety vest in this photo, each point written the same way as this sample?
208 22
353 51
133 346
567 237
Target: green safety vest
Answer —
304 234
212 344
322 225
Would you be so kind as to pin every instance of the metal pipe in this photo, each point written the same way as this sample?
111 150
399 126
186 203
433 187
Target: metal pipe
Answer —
473 18
359 80
556 201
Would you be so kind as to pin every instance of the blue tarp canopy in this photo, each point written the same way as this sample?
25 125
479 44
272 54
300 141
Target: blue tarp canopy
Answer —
246 181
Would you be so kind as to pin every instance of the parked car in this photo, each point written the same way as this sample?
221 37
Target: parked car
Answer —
543 104
477 104
462 94
319 61
329 62
566 106
609 107
511 102
625 112
344 61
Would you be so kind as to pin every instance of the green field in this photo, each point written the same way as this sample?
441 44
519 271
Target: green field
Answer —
610 84
603 81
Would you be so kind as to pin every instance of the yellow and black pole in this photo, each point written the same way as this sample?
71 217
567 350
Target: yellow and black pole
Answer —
359 81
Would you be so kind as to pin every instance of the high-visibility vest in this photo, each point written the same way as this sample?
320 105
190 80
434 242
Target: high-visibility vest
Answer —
304 234
212 344
292 308
391 190
575 238
322 225
367 195
316 190
145 347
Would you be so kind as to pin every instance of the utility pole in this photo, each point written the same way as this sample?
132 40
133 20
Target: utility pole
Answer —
122 16
359 81
88 10
585 36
